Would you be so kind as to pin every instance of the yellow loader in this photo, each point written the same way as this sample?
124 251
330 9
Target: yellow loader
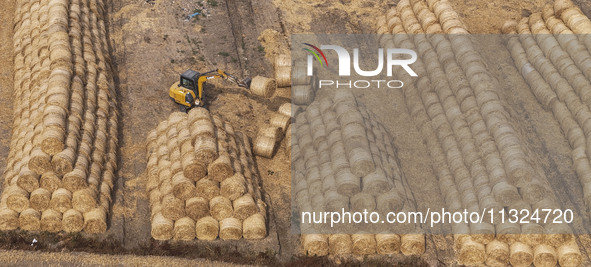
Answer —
188 92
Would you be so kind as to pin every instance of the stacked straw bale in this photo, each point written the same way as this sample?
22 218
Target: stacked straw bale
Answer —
552 53
269 137
294 75
476 152
202 181
62 160
343 158
263 86
557 68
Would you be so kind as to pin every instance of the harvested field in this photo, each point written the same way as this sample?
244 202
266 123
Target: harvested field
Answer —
78 103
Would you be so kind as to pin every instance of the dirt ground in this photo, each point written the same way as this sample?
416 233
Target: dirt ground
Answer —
153 42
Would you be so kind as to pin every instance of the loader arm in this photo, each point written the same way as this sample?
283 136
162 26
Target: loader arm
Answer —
219 74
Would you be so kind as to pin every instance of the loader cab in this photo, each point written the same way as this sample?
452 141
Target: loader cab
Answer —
189 80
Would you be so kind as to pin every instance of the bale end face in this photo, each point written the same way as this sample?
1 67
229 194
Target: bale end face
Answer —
230 229
162 228
95 221
207 228
412 244
340 244
52 145
254 227
184 229
363 244
8 219
471 253
315 245
73 221
51 221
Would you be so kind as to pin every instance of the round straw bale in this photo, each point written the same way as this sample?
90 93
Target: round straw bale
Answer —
154 197
387 243
244 207
61 200
205 149
299 75
389 201
521 255
84 200
50 181
347 183
230 229
30 220
51 221
505 193
63 161
286 110
233 187
363 201
95 221
74 180
545 256
73 221
18 198
363 244
182 187
207 188
39 199
497 253
412 244
196 114
197 208
53 140
220 208
315 244
176 117
202 128
282 60
28 180
376 182
340 244
270 131
569 255
9 219
162 228
562 5
471 252
184 229
302 94
221 168
263 86
361 161
173 208
254 227
207 228
39 162
264 146
192 168
283 76
281 121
